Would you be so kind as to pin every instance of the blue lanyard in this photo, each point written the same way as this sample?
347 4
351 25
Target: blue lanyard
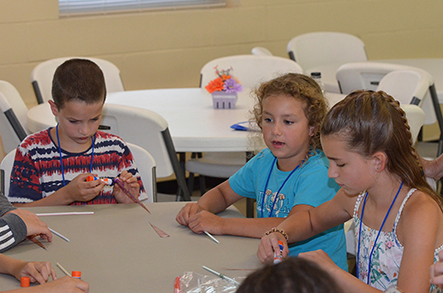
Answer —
379 231
60 153
278 192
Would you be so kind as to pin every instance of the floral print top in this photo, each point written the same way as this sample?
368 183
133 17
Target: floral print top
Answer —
387 255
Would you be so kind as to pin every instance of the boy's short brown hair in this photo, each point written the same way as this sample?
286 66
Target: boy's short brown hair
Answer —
78 79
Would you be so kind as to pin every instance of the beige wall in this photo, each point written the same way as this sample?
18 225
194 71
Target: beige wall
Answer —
160 49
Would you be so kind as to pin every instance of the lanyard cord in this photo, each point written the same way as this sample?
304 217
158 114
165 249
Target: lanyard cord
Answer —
60 153
278 192
379 231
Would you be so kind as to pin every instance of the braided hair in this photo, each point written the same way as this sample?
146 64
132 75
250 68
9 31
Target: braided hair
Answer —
371 122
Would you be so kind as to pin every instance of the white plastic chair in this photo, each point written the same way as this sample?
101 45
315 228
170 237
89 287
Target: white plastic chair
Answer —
13 118
261 51
43 73
320 49
146 168
150 131
6 166
368 75
250 70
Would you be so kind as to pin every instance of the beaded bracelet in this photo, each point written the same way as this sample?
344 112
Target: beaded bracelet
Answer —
278 230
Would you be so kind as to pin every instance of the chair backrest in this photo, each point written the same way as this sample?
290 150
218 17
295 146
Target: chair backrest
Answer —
6 166
146 167
13 117
149 131
416 119
320 48
368 76
261 51
43 73
407 86
250 70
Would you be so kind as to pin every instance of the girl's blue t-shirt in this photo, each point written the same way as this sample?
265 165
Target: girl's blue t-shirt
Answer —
308 185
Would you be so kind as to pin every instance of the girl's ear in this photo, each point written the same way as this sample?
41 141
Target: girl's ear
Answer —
311 130
379 160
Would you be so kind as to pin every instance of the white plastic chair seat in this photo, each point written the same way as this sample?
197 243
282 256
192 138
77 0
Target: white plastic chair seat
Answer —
219 165
43 73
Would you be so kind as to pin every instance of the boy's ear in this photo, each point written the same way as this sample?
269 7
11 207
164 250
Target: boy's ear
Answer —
54 108
380 159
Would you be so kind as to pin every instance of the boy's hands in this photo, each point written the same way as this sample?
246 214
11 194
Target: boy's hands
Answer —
131 184
81 190
33 224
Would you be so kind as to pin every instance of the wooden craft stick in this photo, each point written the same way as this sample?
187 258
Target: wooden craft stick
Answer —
63 270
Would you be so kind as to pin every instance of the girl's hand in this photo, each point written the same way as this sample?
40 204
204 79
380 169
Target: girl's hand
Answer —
81 190
186 212
206 221
36 271
437 271
131 183
269 244
321 258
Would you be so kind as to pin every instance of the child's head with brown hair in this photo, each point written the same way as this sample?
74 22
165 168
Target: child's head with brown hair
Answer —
299 87
293 275
369 122
78 79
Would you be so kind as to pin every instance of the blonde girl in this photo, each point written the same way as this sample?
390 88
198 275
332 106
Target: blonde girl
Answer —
289 176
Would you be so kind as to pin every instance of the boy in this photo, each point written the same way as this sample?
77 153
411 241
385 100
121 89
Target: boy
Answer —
51 167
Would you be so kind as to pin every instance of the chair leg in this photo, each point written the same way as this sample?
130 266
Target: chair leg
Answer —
202 182
191 182
250 207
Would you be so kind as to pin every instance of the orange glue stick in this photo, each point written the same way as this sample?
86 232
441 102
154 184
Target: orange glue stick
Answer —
105 180
278 257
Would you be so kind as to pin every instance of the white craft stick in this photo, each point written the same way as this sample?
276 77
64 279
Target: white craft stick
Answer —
65 214
59 235
212 237
221 275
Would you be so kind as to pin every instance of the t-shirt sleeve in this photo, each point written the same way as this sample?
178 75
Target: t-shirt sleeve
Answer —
243 181
12 231
315 187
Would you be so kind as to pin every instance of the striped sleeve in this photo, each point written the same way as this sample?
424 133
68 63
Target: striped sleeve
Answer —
12 231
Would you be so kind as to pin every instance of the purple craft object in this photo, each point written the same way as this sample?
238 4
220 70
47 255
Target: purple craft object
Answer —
125 190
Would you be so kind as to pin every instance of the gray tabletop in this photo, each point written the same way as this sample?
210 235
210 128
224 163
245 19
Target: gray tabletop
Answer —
117 250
